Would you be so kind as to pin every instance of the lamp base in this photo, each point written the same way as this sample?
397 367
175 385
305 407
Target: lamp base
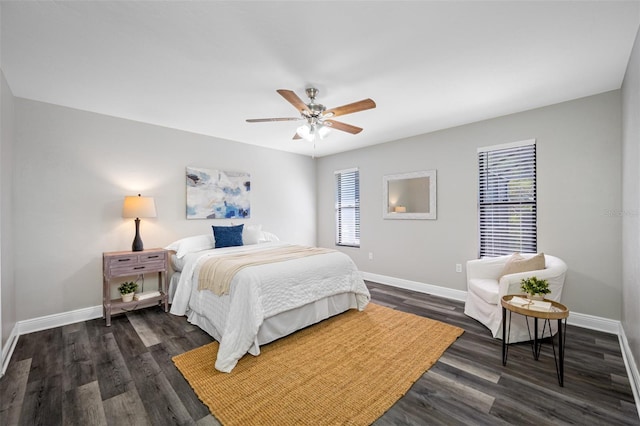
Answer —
137 241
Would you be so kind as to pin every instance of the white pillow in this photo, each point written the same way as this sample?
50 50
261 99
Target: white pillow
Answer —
191 244
251 234
267 237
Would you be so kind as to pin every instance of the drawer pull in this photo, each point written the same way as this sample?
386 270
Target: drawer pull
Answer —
153 257
124 260
138 267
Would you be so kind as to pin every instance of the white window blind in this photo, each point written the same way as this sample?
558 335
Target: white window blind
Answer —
348 207
507 199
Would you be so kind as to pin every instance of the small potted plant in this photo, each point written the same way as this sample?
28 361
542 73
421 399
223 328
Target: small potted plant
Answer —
127 290
535 288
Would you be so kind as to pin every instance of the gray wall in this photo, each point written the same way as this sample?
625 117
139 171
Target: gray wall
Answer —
72 169
7 285
631 202
579 186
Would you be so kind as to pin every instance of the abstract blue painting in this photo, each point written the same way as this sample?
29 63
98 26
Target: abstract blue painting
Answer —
217 194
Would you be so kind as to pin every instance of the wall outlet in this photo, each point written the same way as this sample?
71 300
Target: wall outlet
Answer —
370 255
458 267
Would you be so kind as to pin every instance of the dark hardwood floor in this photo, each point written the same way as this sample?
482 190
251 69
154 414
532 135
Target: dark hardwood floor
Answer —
89 374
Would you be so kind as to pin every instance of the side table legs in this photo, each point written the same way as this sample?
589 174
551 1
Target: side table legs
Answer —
504 334
537 343
560 360
556 311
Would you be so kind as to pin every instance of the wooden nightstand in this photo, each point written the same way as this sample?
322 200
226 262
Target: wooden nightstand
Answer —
128 264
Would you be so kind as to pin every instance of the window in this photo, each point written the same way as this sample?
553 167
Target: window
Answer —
507 199
348 207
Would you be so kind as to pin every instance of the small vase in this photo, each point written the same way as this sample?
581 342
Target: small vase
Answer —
536 296
127 297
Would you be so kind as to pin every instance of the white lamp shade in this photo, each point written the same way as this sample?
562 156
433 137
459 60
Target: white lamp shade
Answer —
305 132
323 131
137 206
309 132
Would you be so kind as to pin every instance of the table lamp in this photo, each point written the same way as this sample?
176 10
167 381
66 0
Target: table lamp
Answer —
138 206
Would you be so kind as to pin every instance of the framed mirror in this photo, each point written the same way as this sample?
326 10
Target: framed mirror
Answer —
409 195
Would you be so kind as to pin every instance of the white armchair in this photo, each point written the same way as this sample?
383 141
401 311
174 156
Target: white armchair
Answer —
486 285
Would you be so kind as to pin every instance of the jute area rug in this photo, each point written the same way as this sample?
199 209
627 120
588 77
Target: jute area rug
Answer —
347 370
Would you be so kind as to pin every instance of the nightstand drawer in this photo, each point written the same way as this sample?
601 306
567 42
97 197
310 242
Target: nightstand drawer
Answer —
142 258
134 268
131 263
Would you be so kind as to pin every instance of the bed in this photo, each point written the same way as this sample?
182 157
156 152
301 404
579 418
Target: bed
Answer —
264 301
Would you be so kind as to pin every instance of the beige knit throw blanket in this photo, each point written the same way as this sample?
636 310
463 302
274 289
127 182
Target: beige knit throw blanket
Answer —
216 273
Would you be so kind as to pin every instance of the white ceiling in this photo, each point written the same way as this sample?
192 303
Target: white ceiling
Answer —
205 67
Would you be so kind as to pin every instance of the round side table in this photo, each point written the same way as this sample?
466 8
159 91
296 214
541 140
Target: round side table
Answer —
557 311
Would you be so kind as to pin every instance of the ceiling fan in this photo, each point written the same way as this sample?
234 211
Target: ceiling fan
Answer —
318 119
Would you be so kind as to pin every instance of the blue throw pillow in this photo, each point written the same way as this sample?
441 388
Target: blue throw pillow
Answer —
228 236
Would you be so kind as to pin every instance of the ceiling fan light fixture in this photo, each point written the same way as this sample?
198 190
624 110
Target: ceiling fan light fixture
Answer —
318 120
306 132
323 131
309 131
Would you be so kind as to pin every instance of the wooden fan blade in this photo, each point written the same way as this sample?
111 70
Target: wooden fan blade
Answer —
293 99
350 108
261 120
344 127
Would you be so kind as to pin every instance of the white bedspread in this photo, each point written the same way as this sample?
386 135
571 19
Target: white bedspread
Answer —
259 292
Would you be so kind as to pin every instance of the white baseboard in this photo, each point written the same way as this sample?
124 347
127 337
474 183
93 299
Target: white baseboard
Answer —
579 320
45 323
7 350
632 367
435 290
591 322
57 320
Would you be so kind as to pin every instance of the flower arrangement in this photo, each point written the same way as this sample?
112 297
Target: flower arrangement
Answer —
535 286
